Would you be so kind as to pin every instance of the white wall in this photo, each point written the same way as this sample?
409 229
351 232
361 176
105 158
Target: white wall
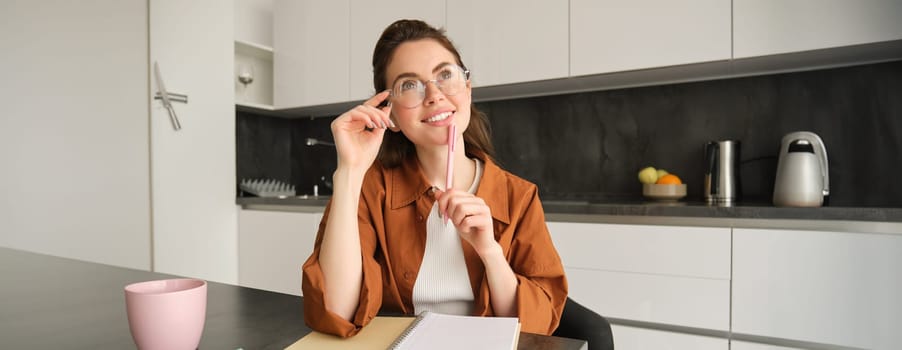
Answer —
74 178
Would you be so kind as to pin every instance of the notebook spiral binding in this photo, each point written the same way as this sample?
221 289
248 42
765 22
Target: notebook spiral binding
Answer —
407 332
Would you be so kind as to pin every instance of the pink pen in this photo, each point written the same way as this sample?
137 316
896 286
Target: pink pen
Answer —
449 175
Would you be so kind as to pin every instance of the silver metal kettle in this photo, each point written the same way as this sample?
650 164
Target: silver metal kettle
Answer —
722 172
802 171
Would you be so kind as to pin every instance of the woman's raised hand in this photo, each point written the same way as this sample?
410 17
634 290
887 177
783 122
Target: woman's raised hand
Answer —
471 216
358 132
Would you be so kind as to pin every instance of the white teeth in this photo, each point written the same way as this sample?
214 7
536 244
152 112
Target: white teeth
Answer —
438 117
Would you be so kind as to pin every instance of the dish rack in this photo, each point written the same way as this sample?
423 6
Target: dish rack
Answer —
267 188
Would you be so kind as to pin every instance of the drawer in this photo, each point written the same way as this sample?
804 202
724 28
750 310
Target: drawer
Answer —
824 287
272 247
702 252
632 338
674 300
741 345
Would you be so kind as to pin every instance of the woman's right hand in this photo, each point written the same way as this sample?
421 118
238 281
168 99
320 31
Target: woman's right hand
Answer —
358 133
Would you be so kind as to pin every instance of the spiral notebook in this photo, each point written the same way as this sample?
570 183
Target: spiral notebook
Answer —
437 331
427 331
379 334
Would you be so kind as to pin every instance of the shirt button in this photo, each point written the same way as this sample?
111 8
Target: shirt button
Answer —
407 275
419 218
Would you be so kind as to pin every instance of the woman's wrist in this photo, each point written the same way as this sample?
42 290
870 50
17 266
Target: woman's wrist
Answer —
351 177
346 186
490 251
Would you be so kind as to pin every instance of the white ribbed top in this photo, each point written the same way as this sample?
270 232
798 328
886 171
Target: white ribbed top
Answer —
443 284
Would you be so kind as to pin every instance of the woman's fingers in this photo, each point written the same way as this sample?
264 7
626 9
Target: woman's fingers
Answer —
458 206
358 132
381 116
360 118
472 218
377 99
381 113
369 116
459 211
374 117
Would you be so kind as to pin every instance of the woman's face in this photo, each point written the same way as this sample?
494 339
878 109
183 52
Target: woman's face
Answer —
425 123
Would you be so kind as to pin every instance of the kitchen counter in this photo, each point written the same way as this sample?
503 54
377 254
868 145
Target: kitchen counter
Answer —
693 213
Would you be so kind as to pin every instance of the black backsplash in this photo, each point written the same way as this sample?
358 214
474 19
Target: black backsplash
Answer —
591 145
276 148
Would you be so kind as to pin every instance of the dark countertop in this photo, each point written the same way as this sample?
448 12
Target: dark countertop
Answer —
556 209
736 211
51 303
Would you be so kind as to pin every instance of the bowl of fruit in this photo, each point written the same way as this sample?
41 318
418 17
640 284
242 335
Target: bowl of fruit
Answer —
660 185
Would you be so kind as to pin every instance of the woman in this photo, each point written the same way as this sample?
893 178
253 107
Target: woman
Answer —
394 238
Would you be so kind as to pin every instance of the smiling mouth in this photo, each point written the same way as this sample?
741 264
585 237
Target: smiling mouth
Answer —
438 117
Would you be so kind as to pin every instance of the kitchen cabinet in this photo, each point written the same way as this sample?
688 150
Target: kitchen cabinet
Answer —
253 54
323 49
273 246
676 275
368 20
253 21
768 27
193 169
254 60
611 36
633 338
838 288
508 41
742 345
311 53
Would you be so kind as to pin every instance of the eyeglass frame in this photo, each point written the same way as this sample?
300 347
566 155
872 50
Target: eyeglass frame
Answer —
421 88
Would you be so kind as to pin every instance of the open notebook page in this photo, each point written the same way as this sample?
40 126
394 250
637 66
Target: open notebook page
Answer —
436 331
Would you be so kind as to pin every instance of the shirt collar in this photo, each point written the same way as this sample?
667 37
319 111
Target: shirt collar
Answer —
407 182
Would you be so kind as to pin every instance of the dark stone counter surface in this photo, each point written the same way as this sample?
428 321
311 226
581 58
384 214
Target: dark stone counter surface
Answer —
556 210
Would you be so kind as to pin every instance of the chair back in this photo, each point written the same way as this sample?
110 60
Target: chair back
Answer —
579 322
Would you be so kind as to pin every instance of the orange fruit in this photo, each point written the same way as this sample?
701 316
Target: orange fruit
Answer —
669 179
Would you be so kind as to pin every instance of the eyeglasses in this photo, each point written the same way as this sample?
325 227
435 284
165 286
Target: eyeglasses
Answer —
410 92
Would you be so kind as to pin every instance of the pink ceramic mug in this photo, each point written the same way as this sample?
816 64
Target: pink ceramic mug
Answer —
166 314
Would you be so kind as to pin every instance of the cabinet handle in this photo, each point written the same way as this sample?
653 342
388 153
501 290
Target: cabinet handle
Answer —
162 94
173 97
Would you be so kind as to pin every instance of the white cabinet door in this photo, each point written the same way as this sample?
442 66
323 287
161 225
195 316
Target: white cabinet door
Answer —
310 52
193 169
741 345
253 21
766 27
823 287
632 338
609 35
664 274
273 246
368 20
702 252
508 41
682 301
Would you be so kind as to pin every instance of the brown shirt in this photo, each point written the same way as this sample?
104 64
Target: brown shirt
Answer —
394 205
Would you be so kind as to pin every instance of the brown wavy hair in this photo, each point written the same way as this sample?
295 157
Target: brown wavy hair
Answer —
395 146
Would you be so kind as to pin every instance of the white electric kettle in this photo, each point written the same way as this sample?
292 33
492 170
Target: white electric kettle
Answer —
802 171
